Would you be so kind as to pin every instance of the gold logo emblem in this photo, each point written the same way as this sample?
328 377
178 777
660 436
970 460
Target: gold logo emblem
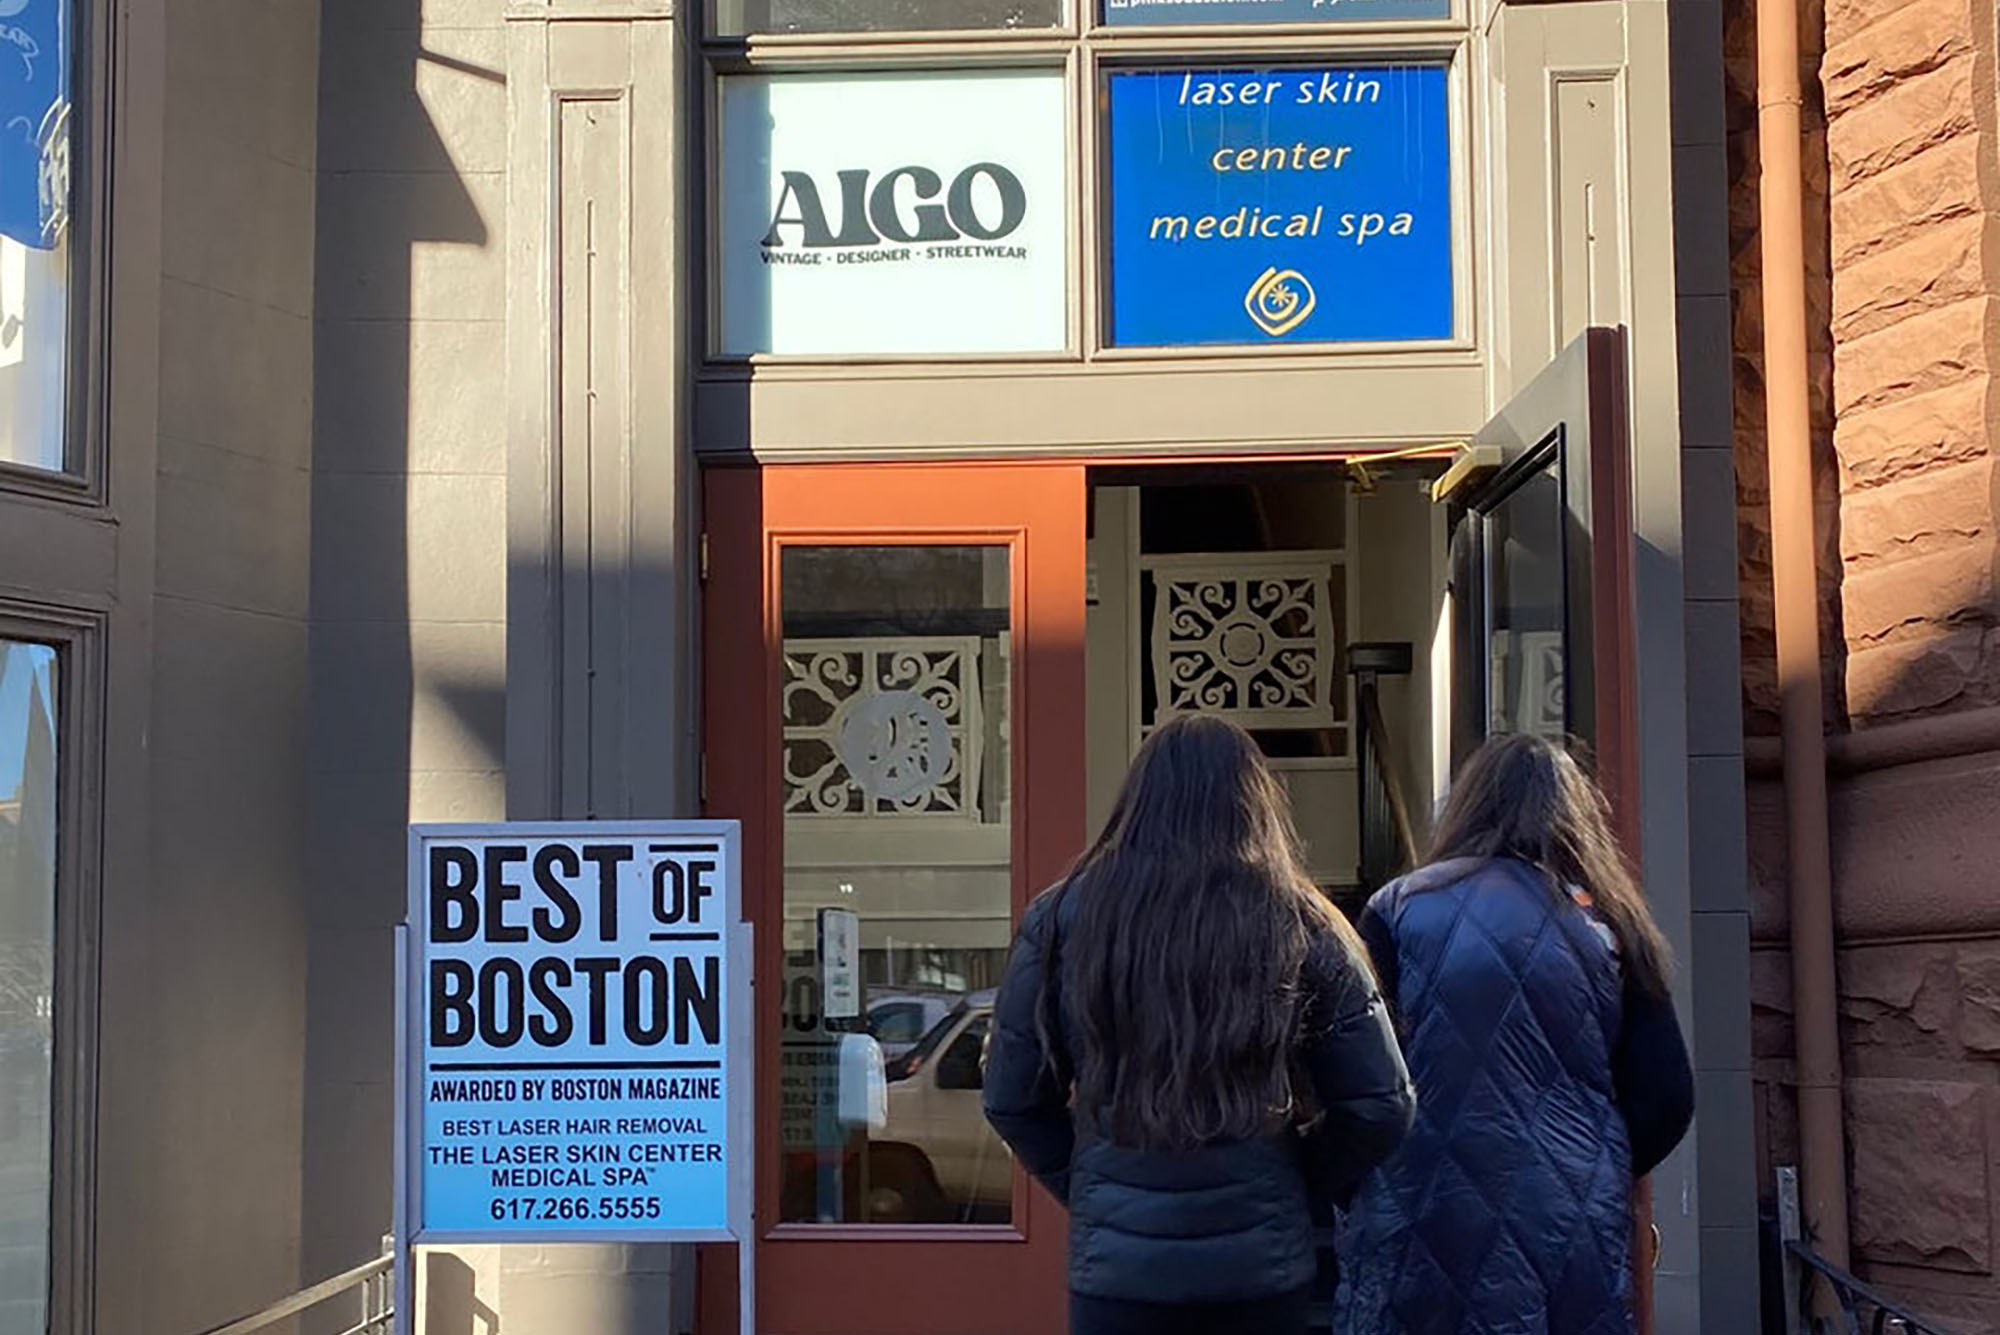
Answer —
1279 301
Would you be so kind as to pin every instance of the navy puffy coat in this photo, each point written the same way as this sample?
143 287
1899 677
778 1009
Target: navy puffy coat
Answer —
1508 1210
1218 1223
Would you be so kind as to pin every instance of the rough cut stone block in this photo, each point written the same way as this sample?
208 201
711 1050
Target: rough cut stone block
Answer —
1938 184
1770 1002
1902 864
1917 516
1891 989
1979 994
1912 676
1921 35
1920 1173
1844 18
1912 596
1907 118
1764 826
1928 352
1945 427
1940 266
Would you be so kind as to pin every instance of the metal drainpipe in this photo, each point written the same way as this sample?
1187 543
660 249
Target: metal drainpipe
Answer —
1795 577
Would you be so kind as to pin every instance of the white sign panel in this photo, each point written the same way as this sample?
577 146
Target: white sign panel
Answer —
576 1036
917 213
840 962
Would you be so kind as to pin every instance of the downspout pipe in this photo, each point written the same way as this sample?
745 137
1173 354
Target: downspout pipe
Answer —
1795 580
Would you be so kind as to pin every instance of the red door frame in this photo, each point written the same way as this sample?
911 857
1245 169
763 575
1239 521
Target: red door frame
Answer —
834 1280
1616 656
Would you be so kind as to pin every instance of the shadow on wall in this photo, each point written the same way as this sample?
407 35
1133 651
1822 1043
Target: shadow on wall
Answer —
451 1299
1753 545
408 284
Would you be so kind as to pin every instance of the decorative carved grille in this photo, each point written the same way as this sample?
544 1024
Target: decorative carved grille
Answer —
1252 638
877 728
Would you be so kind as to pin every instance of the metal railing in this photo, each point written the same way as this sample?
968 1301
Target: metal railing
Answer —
1388 847
373 1282
1805 1271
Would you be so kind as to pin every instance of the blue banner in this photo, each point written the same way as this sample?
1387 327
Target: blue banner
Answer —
1296 205
1130 13
34 92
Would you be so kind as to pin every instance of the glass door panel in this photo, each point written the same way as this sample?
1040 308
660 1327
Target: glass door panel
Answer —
896 701
894 711
1524 606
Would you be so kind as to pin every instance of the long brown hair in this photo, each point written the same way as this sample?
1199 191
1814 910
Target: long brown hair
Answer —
1181 957
1528 799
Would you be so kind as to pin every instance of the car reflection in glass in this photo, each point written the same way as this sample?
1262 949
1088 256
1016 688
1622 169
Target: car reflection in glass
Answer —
899 1020
937 1161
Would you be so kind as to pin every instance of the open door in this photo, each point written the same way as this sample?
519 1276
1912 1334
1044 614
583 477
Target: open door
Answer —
1541 542
1541 594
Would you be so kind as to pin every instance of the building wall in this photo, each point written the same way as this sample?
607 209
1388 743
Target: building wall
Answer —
202 1004
409 557
422 163
229 653
1904 235
351 430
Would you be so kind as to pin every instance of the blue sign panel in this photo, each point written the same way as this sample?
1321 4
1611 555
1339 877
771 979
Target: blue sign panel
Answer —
34 94
1122 13
1294 205
577 1028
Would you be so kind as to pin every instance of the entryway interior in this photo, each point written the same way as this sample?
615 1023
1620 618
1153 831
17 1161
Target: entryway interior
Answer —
1306 602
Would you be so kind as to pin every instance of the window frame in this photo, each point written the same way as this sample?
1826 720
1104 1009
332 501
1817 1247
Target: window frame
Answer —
82 478
78 637
1088 51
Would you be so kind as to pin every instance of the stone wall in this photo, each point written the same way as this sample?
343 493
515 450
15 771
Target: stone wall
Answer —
1903 232
1920 1023
1915 232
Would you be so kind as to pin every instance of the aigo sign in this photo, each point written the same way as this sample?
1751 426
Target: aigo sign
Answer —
872 216
893 213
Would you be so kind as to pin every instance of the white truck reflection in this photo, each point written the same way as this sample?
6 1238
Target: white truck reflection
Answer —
936 1160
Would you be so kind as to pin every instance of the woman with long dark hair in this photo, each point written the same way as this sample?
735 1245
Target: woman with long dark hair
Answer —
1189 1049
1529 984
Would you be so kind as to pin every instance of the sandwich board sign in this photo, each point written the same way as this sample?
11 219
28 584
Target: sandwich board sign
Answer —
575 1037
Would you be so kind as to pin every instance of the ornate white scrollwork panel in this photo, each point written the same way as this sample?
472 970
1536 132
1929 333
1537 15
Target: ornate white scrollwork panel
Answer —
883 728
1249 638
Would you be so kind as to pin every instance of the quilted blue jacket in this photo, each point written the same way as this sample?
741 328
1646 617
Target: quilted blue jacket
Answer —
1508 1209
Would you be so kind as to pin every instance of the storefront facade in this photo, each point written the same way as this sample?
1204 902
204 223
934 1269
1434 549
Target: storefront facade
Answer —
863 422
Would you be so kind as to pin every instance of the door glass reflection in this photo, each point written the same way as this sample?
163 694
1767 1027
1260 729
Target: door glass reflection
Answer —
28 792
896 708
1524 534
